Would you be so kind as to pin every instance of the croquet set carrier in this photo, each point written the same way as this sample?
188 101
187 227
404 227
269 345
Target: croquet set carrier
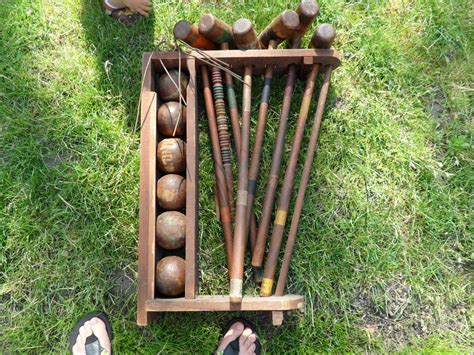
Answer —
221 57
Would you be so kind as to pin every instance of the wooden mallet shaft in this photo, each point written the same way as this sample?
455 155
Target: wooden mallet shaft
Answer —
218 167
288 181
219 32
322 38
278 30
190 34
272 182
245 38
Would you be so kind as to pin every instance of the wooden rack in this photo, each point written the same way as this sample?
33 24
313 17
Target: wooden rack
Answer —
148 252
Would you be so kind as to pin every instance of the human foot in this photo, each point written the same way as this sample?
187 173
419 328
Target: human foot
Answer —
142 7
239 339
92 335
119 11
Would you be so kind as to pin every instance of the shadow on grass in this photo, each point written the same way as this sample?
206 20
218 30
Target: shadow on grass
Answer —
118 50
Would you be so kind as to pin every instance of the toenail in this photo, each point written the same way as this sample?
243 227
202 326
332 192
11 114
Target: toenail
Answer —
94 321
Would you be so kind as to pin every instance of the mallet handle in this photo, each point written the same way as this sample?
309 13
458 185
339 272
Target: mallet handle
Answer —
240 240
224 138
219 32
245 38
258 253
303 184
218 167
279 29
287 186
322 38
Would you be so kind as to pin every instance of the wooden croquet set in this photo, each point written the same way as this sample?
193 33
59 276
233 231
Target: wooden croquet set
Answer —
223 56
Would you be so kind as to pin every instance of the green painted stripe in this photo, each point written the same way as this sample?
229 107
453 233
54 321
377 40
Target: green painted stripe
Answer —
252 186
231 96
266 90
225 37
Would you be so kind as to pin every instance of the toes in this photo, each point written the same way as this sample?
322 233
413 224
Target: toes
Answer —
252 348
87 329
233 333
243 338
250 340
100 331
78 348
237 328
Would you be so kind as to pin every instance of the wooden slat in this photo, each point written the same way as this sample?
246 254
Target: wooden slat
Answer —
281 58
191 184
222 303
146 243
277 318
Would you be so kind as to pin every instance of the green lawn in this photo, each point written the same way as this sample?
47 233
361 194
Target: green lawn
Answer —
384 254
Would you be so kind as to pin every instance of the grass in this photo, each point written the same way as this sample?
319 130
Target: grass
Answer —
384 254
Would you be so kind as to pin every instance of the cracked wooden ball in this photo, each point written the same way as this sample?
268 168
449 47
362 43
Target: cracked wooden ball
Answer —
171 155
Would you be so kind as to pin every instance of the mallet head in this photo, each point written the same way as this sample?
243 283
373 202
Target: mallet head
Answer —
215 30
189 33
323 36
307 12
244 34
281 28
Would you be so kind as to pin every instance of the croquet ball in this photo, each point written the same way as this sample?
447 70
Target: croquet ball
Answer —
170 276
171 230
167 85
171 192
171 155
169 118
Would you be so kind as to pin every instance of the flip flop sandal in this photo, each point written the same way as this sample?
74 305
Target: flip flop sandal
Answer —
125 17
233 347
93 346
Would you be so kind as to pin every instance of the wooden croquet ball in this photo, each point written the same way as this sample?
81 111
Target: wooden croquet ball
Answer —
167 89
171 192
171 230
168 116
171 155
170 276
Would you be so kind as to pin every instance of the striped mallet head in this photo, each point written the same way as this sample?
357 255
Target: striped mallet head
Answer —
189 33
281 28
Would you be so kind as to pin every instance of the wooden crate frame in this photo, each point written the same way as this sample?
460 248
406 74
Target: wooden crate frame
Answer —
148 304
